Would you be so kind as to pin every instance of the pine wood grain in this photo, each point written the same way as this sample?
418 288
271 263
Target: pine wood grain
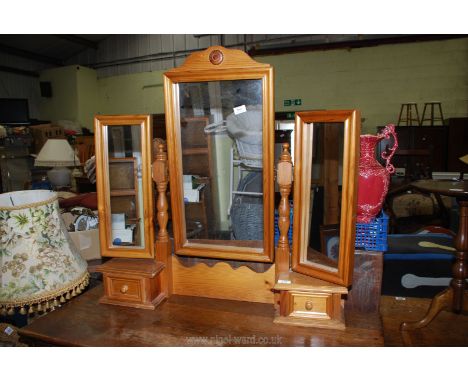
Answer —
302 177
228 64
101 123
284 179
222 281
188 321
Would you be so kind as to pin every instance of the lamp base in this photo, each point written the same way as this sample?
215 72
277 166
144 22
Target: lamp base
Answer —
59 177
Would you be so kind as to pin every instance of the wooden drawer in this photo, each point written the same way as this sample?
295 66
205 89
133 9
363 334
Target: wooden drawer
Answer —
123 288
132 282
313 305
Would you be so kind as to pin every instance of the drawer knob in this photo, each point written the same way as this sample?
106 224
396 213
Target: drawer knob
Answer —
124 289
309 305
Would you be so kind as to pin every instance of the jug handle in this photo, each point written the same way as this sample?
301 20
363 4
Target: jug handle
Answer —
387 132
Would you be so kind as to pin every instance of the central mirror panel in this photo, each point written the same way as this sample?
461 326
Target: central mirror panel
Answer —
221 142
220 136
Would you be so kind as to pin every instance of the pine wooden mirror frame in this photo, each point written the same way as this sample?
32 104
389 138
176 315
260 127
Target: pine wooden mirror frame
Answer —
219 64
123 182
351 123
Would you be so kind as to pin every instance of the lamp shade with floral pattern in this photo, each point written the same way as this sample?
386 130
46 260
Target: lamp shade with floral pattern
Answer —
39 265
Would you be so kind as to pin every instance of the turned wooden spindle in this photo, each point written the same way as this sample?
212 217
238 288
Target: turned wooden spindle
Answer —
459 269
284 179
163 245
160 177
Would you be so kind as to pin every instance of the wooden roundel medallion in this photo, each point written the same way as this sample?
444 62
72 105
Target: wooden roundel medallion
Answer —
216 57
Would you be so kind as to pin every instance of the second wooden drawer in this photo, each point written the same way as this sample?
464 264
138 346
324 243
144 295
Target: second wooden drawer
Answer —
125 288
316 305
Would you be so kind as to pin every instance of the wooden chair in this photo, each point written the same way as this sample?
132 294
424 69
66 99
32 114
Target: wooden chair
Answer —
85 146
409 224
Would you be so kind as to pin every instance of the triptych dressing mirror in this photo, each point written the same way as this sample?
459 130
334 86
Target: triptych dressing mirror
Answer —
219 113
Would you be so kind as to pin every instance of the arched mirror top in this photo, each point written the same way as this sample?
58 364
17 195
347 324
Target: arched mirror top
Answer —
218 58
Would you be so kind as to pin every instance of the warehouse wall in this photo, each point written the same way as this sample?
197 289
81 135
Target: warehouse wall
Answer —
87 96
127 54
75 95
64 101
131 94
376 80
78 94
18 85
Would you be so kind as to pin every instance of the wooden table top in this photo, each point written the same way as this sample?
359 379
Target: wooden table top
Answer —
188 321
458 188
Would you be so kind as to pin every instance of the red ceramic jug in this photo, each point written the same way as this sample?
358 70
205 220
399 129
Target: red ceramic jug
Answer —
374 179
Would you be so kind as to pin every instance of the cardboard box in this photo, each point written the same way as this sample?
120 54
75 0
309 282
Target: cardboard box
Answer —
41 133
87 242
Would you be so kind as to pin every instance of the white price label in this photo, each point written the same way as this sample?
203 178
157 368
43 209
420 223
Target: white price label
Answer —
284 281
240 109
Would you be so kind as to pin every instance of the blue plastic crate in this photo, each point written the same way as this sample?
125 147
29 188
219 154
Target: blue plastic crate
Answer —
373 236
290 226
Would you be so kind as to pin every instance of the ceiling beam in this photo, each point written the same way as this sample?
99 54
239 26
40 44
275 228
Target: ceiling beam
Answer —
30 55
78 40
350 44
22 72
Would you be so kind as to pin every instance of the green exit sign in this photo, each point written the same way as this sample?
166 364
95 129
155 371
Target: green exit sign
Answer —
292 102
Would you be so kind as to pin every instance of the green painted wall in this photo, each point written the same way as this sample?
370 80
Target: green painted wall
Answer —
132 94
87 96
376 80
74 95
64 101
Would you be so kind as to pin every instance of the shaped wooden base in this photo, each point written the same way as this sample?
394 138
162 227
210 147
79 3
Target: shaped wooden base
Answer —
441 302
132 282
306 301
222 281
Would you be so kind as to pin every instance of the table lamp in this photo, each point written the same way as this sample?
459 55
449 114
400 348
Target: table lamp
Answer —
57 153
39 265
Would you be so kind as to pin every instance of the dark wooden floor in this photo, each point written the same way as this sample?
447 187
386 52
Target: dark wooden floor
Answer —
190 321
447 329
